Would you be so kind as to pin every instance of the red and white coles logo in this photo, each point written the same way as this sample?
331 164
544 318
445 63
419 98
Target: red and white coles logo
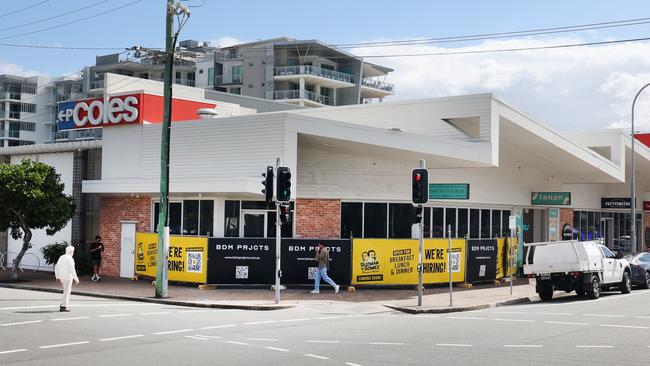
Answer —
98 112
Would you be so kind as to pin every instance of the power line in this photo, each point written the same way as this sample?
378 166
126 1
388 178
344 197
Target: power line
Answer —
22 9
60 47
73 22
54 16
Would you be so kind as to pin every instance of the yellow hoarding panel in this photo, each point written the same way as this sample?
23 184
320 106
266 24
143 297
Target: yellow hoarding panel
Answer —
395 261
506 257
187 257
501 256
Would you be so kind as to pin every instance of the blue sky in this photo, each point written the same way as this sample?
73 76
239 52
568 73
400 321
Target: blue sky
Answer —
556 86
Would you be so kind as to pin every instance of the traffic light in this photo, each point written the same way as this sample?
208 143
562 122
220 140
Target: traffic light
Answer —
285 214
268 184
417 217
284 184
420 181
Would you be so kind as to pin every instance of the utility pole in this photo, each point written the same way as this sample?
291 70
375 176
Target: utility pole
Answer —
633 238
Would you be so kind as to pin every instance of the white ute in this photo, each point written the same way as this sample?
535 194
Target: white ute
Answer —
586 267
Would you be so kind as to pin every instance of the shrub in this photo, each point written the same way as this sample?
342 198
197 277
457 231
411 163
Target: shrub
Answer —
52 252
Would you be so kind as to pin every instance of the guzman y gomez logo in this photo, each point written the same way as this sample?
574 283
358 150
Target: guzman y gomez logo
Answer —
98 112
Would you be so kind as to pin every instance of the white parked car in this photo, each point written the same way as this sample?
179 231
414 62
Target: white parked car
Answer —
586 267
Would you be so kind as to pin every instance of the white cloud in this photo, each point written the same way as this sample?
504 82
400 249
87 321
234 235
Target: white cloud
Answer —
14 69
225 41
578 88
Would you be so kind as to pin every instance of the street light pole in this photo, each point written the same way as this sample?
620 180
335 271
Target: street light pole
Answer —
633 195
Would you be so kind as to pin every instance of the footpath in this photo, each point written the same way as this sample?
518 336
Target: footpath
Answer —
435 299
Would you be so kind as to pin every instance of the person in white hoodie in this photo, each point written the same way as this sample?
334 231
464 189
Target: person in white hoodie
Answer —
65 273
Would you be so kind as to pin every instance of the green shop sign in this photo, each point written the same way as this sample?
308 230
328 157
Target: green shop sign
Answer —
551 198
449 191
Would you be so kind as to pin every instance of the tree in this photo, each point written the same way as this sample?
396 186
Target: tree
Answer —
31 197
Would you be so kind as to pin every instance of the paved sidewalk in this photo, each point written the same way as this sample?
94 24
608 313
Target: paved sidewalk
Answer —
435 299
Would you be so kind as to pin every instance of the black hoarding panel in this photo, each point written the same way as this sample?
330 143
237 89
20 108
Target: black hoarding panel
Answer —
241 261
298 263
481 260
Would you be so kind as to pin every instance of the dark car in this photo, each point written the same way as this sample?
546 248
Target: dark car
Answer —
640 264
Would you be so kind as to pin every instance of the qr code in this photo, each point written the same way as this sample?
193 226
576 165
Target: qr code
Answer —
481 270
455 262
311 272
195 262
241 272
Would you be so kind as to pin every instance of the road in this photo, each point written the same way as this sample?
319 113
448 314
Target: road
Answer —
612 330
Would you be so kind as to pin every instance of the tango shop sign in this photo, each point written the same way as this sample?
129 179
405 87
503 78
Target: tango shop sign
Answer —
89 113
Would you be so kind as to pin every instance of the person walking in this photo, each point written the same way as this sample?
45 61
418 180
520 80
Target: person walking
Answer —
96 249
65 273
322 257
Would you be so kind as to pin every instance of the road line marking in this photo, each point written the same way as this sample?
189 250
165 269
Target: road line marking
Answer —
523 345
219 326
63 319
514 320
316 341
263 339
623 326
453 345
316 356
239 343
387 343
156 313
565 323
277 349
605 315
594 346
12 351
261 322
465 317
328 317
64 344
195 337
642 317
296 320
19 323
122 337
508 312
568 314
113 315
207 336
352 364
75 305
174 331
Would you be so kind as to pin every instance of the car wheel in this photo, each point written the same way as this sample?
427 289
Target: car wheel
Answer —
626 283
546 293
594 290
580 292
646 283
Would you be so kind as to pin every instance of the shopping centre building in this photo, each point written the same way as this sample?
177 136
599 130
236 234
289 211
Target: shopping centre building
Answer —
351 172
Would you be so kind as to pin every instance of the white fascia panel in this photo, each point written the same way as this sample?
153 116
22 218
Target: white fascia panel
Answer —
248 186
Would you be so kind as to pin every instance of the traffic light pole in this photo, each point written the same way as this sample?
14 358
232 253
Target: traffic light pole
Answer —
423 165
278 239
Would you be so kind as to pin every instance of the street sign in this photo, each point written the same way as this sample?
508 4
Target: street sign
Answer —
449 191
551 198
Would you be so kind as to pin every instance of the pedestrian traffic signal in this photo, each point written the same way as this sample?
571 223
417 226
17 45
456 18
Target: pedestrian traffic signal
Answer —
268 184
417 217
285 214
283 184
420 182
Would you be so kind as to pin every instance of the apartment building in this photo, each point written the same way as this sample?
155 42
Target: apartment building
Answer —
24 111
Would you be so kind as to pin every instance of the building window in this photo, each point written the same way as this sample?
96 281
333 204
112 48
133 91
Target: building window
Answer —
200 71
438 222
474 223
351 220
462 222
231 223
211 76
400 220
374 220
505 223
450 221
496 223
236 74
206 218
485 223
189 217
235 91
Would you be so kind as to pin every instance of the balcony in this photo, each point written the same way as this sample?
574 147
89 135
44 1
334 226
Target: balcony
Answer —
314 75
84 134
14 134
309 98
375 89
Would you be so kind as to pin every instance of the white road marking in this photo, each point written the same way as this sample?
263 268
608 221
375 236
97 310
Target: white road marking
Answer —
277 349
296 320
263 339
19 323
195 337
156 313
642 317
465 317
387 343
352 364
219 326
605 315
565 323
75 305
453 345
64 344
316 341
174 331
239 343
207 336
594 346
523 345
514 320
317 356
328 317
12 351
623 326
568 314
63 319
261 322
113 315
122 337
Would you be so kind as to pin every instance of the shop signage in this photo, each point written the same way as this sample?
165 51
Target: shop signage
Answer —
298 265
187 257
241 261
553 224
551 198
620 203
481 260
646 205
448 191
99 112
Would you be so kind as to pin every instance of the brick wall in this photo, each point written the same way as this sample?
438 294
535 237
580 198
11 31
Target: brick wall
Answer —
566 217
318 218
114 210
